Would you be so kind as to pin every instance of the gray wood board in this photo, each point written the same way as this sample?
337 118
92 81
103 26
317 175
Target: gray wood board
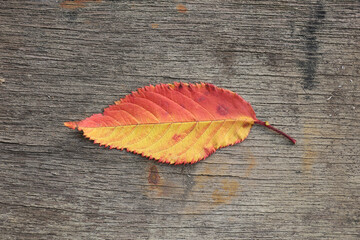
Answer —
296 62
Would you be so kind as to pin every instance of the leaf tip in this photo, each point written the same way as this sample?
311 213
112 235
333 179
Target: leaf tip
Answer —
72 125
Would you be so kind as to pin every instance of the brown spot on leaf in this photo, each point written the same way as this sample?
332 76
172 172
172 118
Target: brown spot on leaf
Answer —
190 88
181 8
177 137
246 124
207 86
68 4
154 176
201 99
222 110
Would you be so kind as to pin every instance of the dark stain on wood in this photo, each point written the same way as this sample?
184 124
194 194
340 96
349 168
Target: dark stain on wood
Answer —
309 66
154 176
226 54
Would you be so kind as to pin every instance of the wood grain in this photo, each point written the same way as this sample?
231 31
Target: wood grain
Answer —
296 62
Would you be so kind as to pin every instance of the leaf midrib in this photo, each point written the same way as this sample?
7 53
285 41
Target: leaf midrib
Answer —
245 119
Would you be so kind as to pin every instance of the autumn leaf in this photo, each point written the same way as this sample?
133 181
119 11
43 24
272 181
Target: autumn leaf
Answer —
173 123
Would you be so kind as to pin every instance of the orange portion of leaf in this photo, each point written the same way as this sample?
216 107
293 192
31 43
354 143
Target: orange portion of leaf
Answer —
173 123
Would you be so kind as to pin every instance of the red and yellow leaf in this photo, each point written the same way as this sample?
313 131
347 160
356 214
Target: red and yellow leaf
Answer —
174 123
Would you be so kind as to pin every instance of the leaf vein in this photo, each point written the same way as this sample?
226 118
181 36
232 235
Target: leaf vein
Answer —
197 104
217 131
192 145
143 149
142 108
159 106
195 118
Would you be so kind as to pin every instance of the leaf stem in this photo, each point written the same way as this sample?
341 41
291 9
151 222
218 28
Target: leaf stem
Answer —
267 124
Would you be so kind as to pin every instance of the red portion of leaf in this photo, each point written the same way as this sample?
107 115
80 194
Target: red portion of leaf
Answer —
172 103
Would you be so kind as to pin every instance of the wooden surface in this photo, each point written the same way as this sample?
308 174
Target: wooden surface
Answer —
296 62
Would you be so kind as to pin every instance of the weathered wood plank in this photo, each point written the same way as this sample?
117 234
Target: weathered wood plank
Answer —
296 62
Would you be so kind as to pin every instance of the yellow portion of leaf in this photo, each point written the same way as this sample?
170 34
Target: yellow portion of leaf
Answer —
175 143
